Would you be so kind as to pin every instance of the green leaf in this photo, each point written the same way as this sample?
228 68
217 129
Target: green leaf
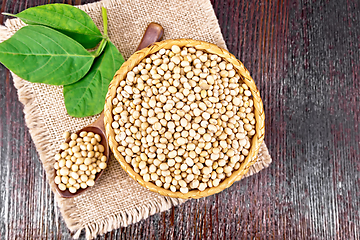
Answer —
67 19
43 55
87 96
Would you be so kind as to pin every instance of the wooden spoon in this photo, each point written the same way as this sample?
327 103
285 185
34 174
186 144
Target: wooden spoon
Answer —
153 33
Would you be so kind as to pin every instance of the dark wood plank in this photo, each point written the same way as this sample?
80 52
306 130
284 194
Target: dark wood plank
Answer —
304 57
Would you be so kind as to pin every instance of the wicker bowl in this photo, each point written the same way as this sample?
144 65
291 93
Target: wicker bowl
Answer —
256 141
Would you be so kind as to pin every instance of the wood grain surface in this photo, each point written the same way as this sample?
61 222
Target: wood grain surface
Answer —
304 57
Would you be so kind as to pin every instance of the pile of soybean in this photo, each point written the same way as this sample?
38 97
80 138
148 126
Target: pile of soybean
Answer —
79 162
183 119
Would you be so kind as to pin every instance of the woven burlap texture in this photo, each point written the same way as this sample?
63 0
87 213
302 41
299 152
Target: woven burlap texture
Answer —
116 200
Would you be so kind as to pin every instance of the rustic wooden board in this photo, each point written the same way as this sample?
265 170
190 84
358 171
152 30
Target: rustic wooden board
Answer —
304 57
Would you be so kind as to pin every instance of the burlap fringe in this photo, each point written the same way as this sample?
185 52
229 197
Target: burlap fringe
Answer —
128 217
264 160
4 33
213 22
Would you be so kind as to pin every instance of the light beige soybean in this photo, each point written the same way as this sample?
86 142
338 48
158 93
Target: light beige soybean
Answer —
102 165
202 186
62 187
57 180
62 163
66 135
90 182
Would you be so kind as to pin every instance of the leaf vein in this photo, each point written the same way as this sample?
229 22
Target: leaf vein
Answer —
50 23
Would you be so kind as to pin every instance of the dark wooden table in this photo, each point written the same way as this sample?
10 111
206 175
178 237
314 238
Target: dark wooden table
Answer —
305 59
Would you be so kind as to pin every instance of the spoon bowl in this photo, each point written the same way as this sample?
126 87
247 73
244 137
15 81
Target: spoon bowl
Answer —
97 128
153 33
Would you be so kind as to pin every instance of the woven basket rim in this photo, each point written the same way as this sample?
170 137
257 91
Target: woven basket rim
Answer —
256 141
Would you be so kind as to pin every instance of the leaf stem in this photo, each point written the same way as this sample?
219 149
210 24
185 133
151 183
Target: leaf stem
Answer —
100 49
105 39
8 14
105 21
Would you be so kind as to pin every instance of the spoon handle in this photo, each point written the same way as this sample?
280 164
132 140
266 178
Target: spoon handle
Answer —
153 33
99 122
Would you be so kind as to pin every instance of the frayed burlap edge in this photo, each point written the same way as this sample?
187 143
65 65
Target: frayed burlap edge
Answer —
35 123
130 216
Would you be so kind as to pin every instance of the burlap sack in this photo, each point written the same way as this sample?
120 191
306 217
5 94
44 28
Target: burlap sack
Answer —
116 200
